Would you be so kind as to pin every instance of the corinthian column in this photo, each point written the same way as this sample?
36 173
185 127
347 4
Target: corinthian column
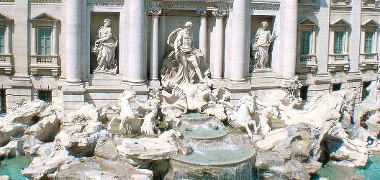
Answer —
239 41
216 63
136 62
203 32
154 56
289 37
73 41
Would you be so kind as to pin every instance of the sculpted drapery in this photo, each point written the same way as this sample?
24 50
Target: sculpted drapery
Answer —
184 64
104 48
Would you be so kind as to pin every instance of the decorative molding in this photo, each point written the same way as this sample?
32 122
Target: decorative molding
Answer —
219 13
45 1
203 12
41 63
155 12
6 64
105 2
338 62
45 19
263 5
341 5
307 64
370 3
309 5
188 4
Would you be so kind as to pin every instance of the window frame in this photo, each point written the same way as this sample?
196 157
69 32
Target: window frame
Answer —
309 25
370 26
340 26
38 41
341 45
2 41
45 21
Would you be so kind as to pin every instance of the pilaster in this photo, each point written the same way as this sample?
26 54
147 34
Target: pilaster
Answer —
21 84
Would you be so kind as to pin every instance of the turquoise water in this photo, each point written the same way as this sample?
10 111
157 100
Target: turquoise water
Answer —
12 166
217 157
204 133
372 169
370 172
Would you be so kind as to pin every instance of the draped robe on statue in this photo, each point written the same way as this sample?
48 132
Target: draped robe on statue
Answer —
173 71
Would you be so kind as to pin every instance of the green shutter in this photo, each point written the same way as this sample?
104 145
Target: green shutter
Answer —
338 42
2 39
305 42
44 41
369 36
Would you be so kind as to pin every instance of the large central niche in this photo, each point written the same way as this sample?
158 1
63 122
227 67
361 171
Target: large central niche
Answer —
176 19
97 21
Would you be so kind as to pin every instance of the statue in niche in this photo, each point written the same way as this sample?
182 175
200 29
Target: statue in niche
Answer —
104 48
260 46
184 64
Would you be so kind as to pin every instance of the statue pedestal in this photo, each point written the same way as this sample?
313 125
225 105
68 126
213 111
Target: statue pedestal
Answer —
264 79
155 84
105 79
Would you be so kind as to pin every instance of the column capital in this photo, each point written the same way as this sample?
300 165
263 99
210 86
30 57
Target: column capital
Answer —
203 12
219 13
156 12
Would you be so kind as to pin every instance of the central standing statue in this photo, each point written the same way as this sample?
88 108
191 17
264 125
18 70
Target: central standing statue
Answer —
104 48
184 64
260 46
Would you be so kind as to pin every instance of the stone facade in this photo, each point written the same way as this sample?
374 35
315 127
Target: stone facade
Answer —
325 44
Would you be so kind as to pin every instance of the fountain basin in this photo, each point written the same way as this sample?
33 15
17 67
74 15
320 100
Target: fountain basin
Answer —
194 117
214 164
205 134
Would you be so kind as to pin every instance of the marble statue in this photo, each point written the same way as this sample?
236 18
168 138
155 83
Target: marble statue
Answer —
260 46
241 114
185 64
104 48
173 104
149 112
127 121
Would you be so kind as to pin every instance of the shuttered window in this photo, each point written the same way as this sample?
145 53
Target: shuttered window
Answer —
2 39
44 41
306 42
339 42
368 44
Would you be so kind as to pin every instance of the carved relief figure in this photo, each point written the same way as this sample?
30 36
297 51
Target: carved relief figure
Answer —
104 48
184 64
260 46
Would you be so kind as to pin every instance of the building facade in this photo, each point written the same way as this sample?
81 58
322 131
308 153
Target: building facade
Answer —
48 47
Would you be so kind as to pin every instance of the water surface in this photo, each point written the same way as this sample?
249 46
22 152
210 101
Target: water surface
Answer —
12 166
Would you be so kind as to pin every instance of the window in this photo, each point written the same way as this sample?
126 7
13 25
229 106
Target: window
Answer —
2 101
303 92
44 41
368 44
45 95
306 42
338 42
2 39
336 87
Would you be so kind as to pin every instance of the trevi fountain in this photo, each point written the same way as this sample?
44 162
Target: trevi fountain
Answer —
190 125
